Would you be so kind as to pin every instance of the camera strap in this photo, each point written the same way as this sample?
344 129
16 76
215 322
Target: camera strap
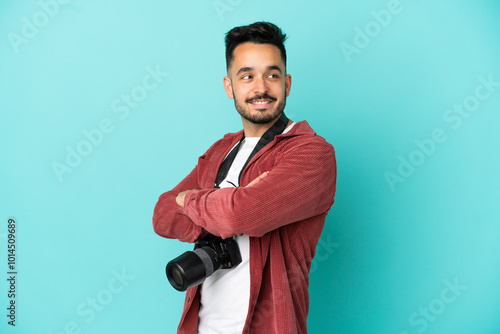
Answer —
278 127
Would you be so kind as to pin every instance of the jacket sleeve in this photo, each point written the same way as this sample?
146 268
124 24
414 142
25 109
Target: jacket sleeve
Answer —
299 186
169 220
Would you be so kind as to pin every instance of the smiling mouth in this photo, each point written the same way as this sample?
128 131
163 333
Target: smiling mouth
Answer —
261 102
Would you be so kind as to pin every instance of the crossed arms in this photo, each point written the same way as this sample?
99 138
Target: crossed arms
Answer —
180 196
299 185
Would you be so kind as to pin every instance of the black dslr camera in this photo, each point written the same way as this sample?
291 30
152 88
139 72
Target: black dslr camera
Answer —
211 253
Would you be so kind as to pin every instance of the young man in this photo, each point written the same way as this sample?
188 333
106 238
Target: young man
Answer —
272 195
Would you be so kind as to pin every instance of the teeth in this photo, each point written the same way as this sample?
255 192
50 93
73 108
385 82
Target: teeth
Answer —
260 102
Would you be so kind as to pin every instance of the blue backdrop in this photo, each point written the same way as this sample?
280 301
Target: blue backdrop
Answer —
107 104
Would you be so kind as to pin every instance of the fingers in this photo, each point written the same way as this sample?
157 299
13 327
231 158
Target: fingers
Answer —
257 180
180 197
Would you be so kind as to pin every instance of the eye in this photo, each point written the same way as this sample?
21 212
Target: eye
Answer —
273 76
246 77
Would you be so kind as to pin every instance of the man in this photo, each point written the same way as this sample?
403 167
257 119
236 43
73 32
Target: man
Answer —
271 195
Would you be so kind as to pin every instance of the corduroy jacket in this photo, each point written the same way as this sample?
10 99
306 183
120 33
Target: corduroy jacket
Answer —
283 215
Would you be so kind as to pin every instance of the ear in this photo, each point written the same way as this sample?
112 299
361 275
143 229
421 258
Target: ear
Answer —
228 86
288 84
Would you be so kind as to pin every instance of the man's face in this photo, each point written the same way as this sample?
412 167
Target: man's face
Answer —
258 82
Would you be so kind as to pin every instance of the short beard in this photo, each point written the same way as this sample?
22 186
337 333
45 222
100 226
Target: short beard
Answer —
260 118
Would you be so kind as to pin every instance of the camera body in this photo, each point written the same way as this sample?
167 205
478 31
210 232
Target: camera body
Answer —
210 254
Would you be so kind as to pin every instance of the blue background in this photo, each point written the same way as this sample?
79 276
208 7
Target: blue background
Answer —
391 247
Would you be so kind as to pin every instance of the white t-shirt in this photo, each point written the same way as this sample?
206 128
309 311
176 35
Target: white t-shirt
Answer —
225 294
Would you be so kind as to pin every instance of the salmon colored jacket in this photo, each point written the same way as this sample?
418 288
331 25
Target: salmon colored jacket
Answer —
283 215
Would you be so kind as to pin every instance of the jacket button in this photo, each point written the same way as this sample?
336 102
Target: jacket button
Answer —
188 299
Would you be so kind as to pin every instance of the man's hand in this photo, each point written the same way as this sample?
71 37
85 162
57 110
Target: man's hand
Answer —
180 197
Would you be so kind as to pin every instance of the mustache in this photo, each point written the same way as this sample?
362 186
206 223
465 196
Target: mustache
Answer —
261 97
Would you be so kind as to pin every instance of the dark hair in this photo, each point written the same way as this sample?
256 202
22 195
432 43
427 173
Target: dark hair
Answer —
258 33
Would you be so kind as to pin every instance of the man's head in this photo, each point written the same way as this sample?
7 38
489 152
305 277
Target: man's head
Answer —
257 33
256 71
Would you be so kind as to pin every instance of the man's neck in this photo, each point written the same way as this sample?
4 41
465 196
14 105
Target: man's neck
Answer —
257 130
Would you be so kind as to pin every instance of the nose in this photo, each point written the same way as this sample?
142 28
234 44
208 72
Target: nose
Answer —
260 86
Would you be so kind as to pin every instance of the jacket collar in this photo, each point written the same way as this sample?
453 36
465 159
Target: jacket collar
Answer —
230 139
300 128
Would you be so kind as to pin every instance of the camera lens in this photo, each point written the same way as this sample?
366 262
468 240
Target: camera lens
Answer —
210 254
177 276
191 268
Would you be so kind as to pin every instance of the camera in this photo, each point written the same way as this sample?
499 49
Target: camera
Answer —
210 254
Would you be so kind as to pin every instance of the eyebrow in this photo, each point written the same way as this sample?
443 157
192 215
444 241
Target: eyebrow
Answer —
249 69
274 67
